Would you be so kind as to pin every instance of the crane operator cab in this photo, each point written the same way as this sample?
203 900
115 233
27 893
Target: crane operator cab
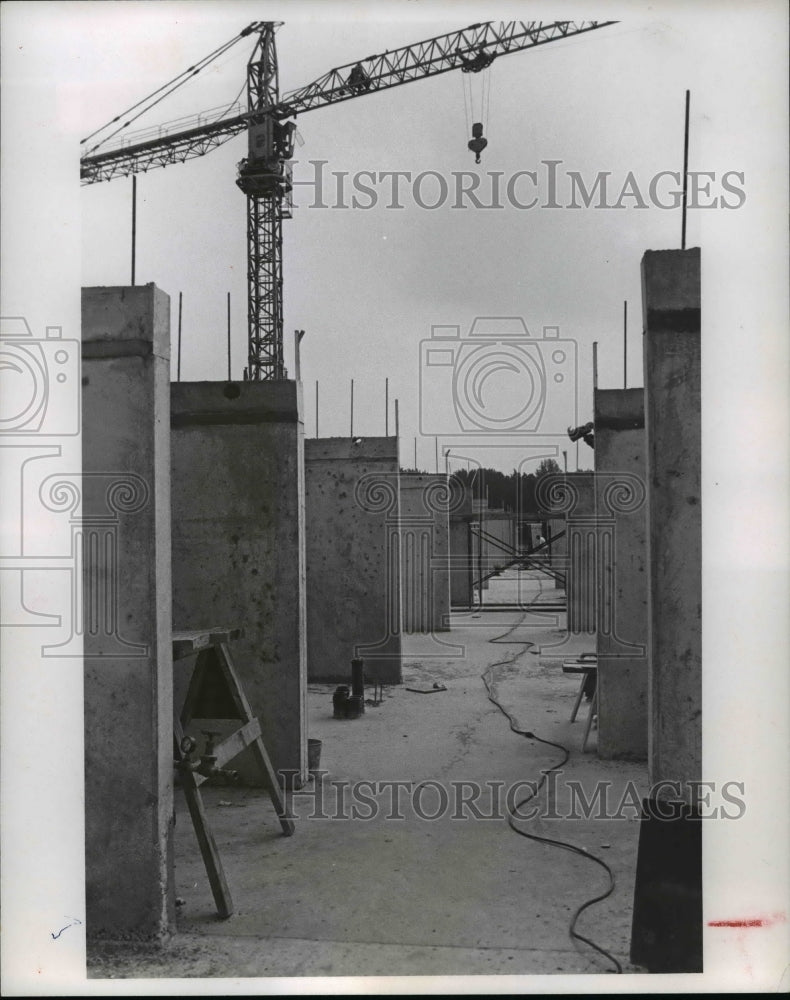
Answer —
478 142
267 170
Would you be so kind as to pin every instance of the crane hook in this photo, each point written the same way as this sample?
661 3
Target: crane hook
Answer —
477 143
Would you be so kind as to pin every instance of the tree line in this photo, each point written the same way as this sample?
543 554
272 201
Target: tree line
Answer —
512 491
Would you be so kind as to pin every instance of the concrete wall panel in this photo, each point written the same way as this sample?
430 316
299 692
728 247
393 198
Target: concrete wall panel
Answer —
239 544
573 496
620 497
425 503
353 567
463 567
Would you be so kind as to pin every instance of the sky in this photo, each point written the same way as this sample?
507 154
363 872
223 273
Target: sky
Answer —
367 286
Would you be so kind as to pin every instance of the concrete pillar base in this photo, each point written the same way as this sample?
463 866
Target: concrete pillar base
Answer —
666 934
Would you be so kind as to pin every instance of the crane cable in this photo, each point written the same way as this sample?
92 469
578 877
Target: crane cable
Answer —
173 85
469 101
487 91
467 117
573 848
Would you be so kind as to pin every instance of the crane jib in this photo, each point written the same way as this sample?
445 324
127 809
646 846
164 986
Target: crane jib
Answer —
264 175
429 58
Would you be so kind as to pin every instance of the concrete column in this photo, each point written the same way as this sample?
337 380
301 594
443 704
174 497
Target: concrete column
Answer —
127 613
425 551
573 495
239 544
667 922
353 572
671 303
621 515
462 566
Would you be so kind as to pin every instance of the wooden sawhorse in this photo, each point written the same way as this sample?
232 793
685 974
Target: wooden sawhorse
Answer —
586 668
215 692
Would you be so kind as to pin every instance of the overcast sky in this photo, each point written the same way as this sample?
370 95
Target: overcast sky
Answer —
367 285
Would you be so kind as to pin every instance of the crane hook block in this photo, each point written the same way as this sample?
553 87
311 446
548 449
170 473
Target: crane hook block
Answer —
477 143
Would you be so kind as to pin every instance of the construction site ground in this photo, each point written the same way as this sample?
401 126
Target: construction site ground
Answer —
456 895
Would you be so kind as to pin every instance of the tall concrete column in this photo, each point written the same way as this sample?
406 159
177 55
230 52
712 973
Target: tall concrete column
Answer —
239 545
671 303
353 572
667 922
125 541
621 516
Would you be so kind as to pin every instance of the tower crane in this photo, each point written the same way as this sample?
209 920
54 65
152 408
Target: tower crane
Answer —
265 174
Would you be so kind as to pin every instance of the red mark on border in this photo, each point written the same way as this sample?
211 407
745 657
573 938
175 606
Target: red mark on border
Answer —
776 918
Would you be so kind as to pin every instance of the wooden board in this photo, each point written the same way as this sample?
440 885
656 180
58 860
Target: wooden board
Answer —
191 641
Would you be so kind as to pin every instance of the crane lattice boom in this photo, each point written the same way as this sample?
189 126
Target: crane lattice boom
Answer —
264 176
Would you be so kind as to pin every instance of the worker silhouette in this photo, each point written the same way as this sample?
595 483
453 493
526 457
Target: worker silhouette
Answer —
358 80
585 432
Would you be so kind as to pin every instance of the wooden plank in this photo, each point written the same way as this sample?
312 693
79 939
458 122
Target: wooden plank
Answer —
593 711
258 748
225 664
575 667
273 787
578 699
219 635
233 745
187 642
205 838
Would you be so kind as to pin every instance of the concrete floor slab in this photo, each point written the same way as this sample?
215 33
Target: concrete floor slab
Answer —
413 896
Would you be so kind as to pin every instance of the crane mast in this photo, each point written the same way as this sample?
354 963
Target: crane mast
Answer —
265 178
265 174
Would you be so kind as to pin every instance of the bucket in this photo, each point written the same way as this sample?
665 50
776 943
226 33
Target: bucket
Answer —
313 755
